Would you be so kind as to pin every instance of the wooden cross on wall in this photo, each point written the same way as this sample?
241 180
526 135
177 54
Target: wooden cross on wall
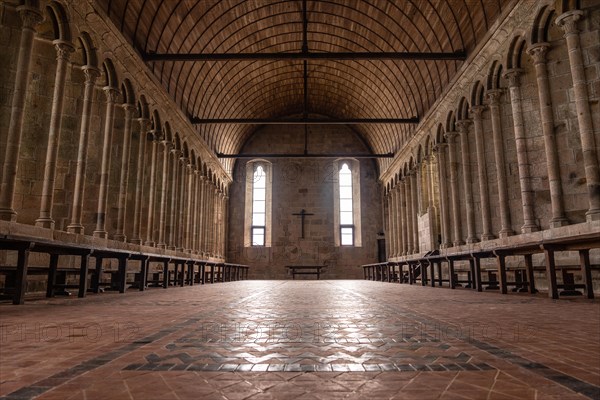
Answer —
302 214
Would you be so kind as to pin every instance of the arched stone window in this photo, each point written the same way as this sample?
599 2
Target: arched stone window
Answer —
257 227
347 216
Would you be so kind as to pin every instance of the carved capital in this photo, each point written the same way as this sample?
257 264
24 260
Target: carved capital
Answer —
144 124
30 16
129 109
477 111
63 50
538 52
156 135
493 96
450 136
463 125
568 21
513 75
112 94
91 74
440 147
175 151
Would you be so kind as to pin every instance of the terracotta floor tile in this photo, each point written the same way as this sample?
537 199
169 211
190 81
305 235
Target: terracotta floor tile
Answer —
310 339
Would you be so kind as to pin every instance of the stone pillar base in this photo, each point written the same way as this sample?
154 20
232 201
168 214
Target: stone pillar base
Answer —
7 214
75 228
592 215
45 223
505 233
557 223
100 234
120 237
487 236
529 228
136 241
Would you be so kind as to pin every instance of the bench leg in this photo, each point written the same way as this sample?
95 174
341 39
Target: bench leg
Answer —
530 277
52 275
586 272
143 273
501 260
97 275
21 278
451 274
165 274
551 274
122 274
477 278
83 275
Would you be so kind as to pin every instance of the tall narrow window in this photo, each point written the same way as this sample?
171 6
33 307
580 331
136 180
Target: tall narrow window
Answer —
259 210
346 212
257 215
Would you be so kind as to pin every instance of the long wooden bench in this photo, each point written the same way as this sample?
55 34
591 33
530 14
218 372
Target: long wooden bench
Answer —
304 270
426 267
185 270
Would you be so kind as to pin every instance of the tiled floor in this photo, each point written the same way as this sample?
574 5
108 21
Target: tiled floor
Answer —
301 340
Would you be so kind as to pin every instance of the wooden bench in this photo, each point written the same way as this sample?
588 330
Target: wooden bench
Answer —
304 270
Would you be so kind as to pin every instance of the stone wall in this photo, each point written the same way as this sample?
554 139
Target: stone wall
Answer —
304 183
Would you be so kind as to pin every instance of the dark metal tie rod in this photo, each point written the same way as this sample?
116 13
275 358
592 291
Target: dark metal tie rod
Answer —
301 121
306 155
405 55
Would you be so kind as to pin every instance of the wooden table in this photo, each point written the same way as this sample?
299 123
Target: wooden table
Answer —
305 270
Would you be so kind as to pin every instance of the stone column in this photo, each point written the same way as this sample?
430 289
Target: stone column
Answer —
444 206
182 203
162 217
175 154
393 222
91 74
152 191
188 214
196 212
225 211
486 215
211 220
63 53
202 215
398 241
388 223
463 129
124 173
219 224
139 182
409 211
414 178
111 97
403 212
538 53
30 18
456 221
568 22
527 201
493 97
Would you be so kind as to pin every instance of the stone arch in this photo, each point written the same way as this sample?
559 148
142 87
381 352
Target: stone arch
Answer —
127 92
167 133
177 142
90 57
477 94
494 75
142 106
463 109
110 73
439 134
541 25
515 52
60 21
450 122
568 5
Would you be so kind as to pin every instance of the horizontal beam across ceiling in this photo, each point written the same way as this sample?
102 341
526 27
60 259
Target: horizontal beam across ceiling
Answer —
302 121
406 55
305 155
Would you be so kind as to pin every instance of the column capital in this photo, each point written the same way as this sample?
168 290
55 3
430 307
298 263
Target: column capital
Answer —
538 52
463 125
450 135
91 73
167 143
30 16
568 21
63 49
477 111
111 94
175 151
513 75
493 96
144 124
440 147
156 135
129 108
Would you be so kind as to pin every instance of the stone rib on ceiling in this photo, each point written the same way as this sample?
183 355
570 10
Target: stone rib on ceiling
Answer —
274 88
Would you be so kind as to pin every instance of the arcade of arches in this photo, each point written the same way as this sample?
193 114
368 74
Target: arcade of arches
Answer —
171 143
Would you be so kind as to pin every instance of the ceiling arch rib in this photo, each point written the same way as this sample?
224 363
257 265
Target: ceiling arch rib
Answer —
366 59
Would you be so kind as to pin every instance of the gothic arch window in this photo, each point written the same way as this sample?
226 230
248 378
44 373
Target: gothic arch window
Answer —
347 215
257 230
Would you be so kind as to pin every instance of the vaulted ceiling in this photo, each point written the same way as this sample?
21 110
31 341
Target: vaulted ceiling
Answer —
387 76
